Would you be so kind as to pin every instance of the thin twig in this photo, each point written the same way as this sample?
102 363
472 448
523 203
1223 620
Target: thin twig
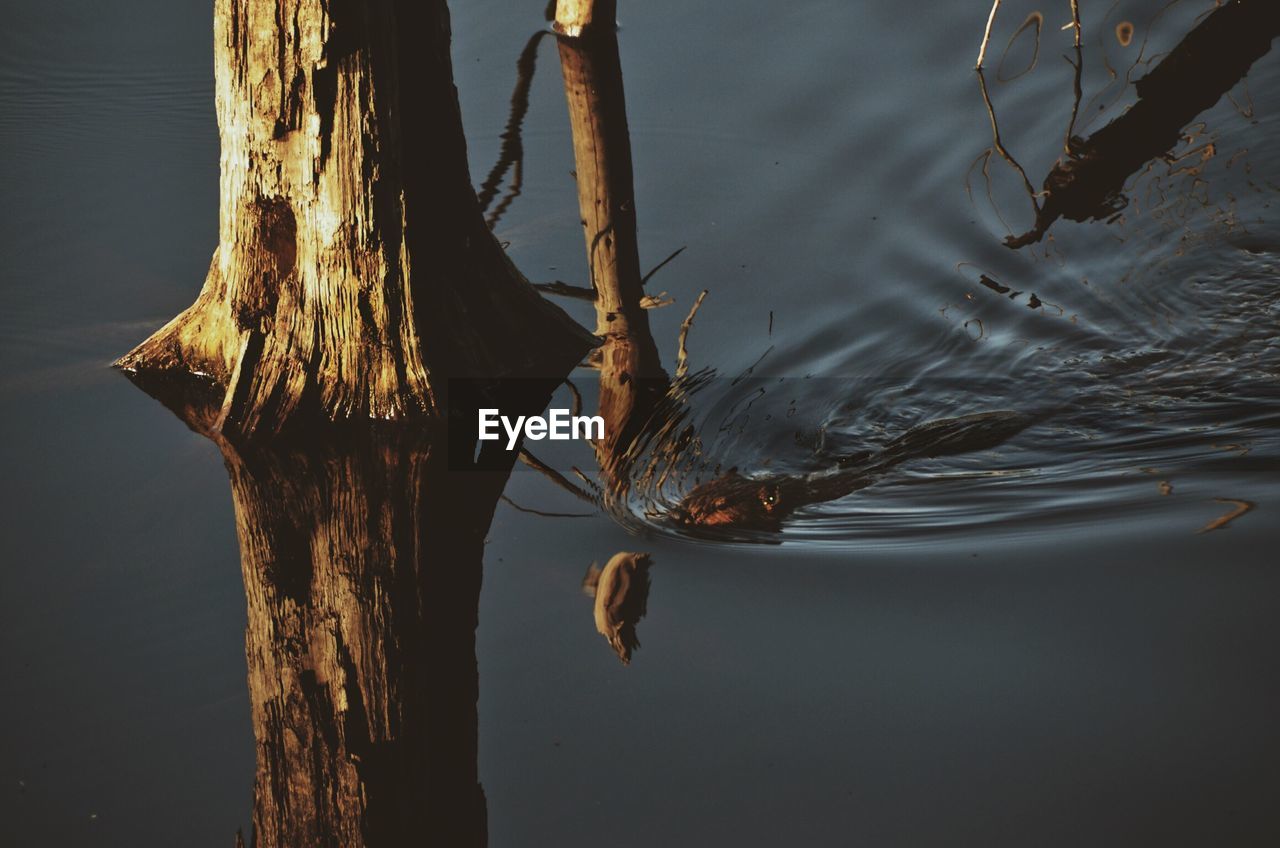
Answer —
563 289
656 268
1239 508
512 151
584 478
554 476
513 191
517 506
986 35
577 397
999 145
656 301
682 356
1078 91
566 290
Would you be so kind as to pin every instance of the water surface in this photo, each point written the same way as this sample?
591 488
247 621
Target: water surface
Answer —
1033 644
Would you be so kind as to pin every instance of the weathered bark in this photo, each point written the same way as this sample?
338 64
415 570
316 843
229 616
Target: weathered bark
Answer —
632 380
354 268
583 17
362 569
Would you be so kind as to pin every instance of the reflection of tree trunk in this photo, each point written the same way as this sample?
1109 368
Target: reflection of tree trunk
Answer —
631 375
362 572
353 259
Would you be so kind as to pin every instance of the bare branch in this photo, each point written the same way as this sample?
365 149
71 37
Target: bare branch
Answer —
682 356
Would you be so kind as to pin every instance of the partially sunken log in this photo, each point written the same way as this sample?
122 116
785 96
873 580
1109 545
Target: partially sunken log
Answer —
362 569
354 268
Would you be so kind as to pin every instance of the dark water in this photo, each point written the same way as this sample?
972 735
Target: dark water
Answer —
1032 645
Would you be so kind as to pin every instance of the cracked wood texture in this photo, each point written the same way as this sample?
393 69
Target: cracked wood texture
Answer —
631 377
581 17
362 571
353 265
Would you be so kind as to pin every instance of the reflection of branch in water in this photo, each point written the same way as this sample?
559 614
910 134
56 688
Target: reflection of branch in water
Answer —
1077 92
577 397
1245 112
511 156
586 481
986 35
1036 20
543 513
991 20
999 144
1239 509
1214 56
555 476
682 354
563 289
656 268
985 158
1095 106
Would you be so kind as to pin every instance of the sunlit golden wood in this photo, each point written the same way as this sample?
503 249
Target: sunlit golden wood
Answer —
631 375
353 262
986 35
579 17
362 565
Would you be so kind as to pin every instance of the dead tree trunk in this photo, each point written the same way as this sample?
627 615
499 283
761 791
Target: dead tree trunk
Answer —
354 268
362 569
631 375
